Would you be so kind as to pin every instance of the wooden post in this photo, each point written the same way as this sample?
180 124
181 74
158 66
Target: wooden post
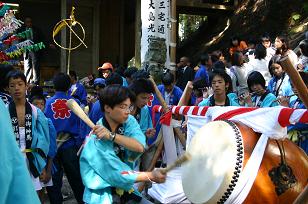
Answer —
63 60
303 197
296 79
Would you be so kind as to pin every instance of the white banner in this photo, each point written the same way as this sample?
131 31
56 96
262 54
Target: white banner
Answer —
155 23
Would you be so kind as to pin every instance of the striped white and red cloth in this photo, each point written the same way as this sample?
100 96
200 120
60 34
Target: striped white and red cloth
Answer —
270 122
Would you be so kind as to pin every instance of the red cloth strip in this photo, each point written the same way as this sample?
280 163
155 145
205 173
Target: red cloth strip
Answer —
195 110
304 118
185 110
232 113
204 110
284 116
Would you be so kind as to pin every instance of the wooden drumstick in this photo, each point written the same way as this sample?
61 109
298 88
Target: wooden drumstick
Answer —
296 79
184 158
159 96
73 105
74 90
186 94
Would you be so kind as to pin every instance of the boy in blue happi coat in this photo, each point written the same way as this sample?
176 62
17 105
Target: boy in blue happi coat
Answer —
67 124
108 157
170 93
50 170
14 174
221 84
143 89
30 127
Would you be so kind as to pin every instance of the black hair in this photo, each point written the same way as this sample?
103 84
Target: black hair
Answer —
114 78
274 60
219 65
215 56
113 95
16 74
141 86
285 44
36 90
204 58
223 74
141 74
233 38
199 84
260 51
130 71
4 70
265 36
61 82
235 58
37 97
73 74
303 45
252 40
120 70
167 78
254 78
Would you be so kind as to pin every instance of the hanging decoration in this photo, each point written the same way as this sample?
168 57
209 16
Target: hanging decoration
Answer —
13 43
71 23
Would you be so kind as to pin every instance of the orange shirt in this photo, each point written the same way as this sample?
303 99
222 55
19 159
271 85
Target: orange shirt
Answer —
241 47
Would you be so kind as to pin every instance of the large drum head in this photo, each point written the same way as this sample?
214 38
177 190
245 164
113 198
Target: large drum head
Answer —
207 178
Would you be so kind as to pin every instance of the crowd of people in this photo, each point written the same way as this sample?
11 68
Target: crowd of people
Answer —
102 164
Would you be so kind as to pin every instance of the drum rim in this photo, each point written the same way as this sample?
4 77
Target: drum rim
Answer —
226 188
240 160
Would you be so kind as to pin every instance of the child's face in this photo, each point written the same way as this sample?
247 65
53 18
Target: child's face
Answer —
266 42
219 85
106 73
17 88
235 42
277 70
39 103
258 89
142 99
278 43
168 88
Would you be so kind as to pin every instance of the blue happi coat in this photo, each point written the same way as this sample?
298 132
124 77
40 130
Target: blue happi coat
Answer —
145 120
299 132
102 169
16 184
233 101
80 93
63 119
40 137
175 97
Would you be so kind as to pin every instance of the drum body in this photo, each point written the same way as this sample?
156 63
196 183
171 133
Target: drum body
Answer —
263 189
207 180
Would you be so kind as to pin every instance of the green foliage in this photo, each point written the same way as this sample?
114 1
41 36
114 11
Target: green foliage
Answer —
296 16
305 7
188 24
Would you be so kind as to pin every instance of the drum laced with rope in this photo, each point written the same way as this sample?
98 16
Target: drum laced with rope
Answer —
220 151
242 155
